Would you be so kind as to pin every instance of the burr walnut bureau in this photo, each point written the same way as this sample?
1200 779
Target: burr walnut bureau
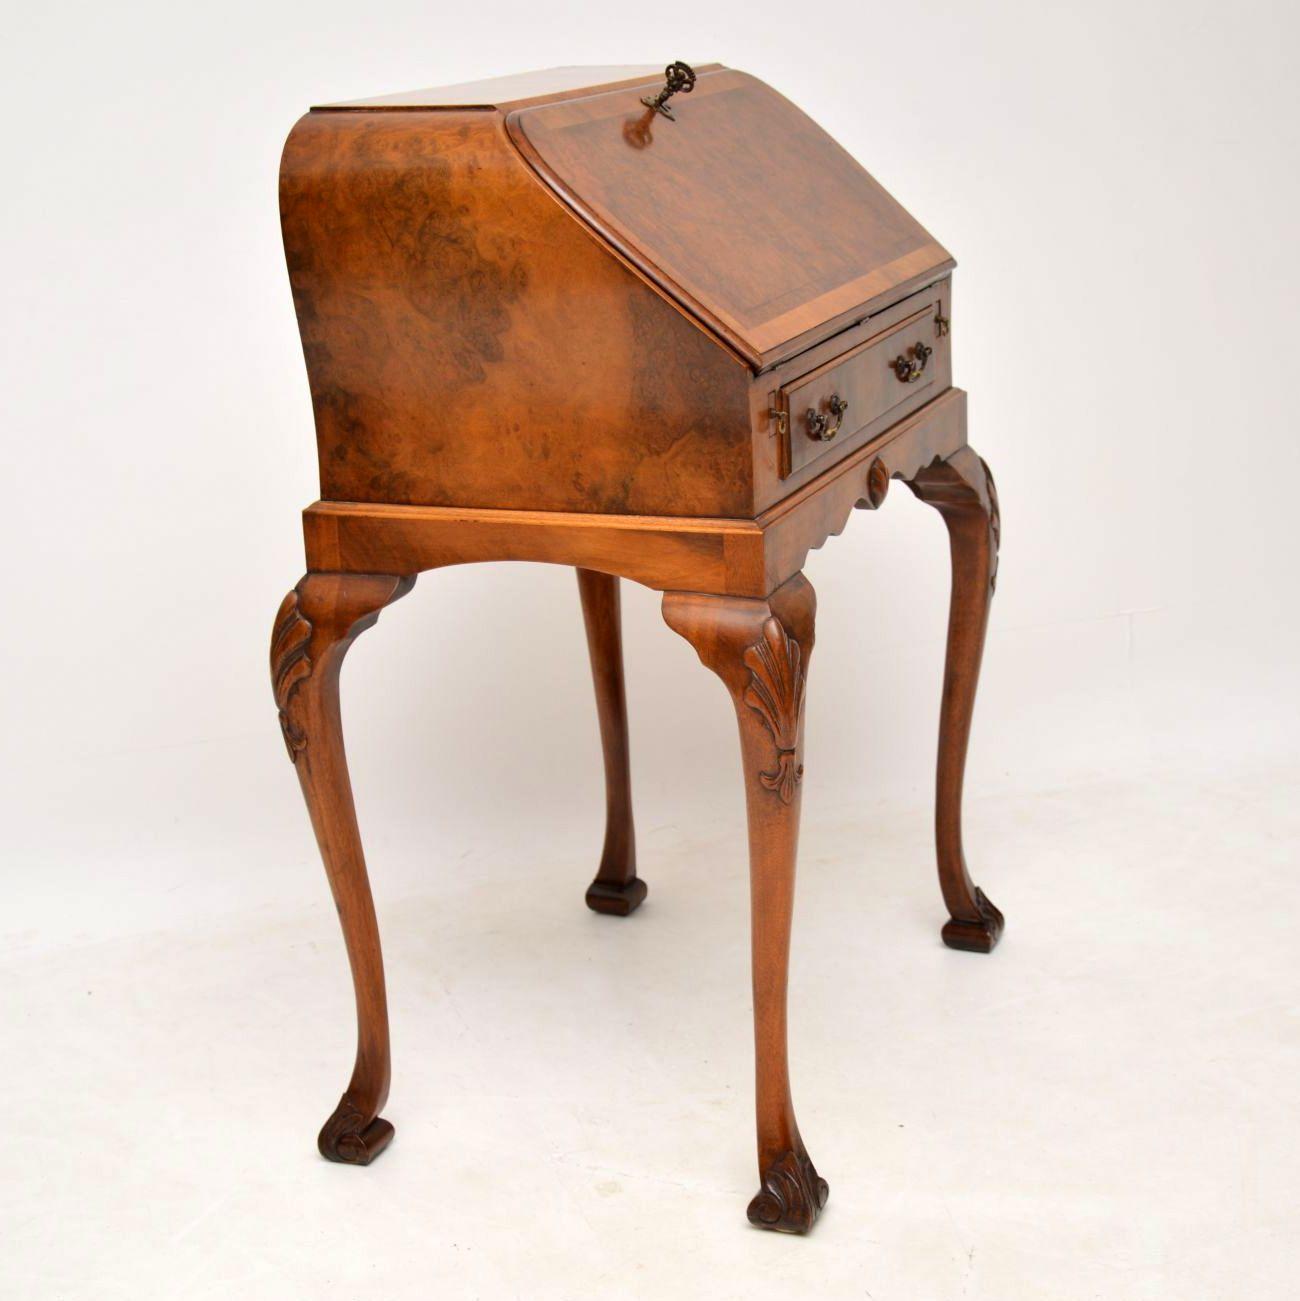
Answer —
655 326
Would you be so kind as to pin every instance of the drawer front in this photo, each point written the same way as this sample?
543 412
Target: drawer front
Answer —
882 378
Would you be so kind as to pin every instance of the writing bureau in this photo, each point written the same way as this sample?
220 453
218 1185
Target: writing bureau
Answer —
654 325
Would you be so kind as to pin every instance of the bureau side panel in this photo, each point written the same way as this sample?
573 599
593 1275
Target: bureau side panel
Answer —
469 343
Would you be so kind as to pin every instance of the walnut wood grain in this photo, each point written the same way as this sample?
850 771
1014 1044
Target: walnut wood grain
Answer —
864 378
961 489
542 325
760 650
720 556
821 241
469 342
661 552
316 624
778 471
617 889
820 510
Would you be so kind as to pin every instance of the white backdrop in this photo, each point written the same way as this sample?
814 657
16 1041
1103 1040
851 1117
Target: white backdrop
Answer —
1118 183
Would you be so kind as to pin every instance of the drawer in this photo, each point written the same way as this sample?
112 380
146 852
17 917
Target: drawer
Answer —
895 369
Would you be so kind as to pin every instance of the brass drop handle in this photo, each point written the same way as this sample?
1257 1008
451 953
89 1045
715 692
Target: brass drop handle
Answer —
819 425
909 365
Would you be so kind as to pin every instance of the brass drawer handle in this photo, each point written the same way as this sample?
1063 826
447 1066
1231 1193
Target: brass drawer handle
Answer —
819 425
908 366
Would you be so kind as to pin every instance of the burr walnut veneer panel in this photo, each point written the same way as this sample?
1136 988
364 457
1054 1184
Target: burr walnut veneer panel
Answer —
468 342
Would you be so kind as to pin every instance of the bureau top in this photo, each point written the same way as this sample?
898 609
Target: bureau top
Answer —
738 206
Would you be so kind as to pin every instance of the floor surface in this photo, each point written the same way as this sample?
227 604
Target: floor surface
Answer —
1105 1108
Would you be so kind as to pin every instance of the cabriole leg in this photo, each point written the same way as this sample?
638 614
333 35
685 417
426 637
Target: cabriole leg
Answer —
760 650
316 625
617 889
962 490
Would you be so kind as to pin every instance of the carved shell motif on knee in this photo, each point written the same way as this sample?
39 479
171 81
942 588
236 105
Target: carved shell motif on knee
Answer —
775 691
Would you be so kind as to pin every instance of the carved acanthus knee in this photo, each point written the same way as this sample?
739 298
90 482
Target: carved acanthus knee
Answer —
290 665
316 624
760 650
960 488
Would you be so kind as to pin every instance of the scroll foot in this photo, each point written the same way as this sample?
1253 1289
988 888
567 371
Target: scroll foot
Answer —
792 1196
348 1139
